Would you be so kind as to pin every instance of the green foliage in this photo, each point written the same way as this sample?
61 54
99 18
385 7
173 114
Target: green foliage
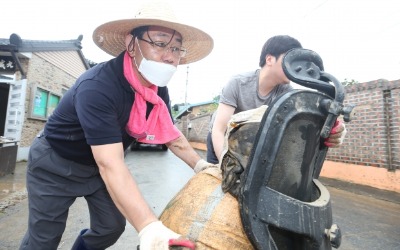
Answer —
347 82
174 112
209 109
91 63
214 106
203 110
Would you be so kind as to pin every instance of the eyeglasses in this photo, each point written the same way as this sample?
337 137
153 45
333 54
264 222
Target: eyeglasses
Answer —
162 47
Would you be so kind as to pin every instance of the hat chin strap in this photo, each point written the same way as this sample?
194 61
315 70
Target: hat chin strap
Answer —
134 59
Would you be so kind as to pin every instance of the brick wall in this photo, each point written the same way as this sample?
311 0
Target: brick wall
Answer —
373 137
373 133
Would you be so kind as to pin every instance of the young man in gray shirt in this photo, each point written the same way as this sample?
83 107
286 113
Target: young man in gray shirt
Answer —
252 89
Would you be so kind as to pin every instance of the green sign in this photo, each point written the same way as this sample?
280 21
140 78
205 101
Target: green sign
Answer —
53 102
40 103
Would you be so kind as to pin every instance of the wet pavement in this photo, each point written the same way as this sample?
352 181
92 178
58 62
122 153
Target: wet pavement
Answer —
369 218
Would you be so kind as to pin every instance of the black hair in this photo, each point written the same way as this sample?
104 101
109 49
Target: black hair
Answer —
278 45
139 31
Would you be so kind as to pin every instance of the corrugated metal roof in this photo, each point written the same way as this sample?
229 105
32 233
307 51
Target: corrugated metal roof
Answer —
68 61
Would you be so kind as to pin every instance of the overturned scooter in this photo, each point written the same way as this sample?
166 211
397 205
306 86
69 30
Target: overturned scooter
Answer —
266 195
282 204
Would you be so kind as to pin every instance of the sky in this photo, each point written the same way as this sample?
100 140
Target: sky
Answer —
357 39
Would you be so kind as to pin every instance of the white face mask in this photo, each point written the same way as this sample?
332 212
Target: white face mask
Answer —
157 73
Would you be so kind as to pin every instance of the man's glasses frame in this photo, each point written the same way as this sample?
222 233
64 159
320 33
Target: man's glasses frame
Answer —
162 47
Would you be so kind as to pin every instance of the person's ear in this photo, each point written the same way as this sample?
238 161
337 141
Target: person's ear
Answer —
130 44
269 59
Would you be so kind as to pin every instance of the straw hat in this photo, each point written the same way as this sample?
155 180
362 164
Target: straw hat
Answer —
110 36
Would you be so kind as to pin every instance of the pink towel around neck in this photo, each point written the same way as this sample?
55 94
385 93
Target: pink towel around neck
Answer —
158 128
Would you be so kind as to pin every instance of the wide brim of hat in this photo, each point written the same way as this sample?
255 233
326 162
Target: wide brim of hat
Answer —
110 37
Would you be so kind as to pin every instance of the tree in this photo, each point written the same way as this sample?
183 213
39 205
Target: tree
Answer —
91 63
349 82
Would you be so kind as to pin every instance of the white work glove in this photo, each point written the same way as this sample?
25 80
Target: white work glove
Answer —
337 135
155 236
202 165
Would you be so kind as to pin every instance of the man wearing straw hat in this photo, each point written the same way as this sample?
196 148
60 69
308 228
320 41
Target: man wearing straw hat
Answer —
81 150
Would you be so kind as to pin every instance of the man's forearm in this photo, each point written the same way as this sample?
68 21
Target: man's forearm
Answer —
218 143
182 149
126 195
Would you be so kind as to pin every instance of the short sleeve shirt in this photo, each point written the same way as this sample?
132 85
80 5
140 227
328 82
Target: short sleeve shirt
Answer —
241 92
94 111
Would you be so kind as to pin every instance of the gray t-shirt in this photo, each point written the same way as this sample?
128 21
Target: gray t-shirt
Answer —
241 92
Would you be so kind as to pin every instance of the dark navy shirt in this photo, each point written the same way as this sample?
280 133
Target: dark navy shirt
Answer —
94 111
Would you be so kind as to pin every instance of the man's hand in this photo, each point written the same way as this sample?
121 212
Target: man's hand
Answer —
337 135
202 165
155 236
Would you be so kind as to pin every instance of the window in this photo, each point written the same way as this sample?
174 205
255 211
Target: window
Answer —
43 103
